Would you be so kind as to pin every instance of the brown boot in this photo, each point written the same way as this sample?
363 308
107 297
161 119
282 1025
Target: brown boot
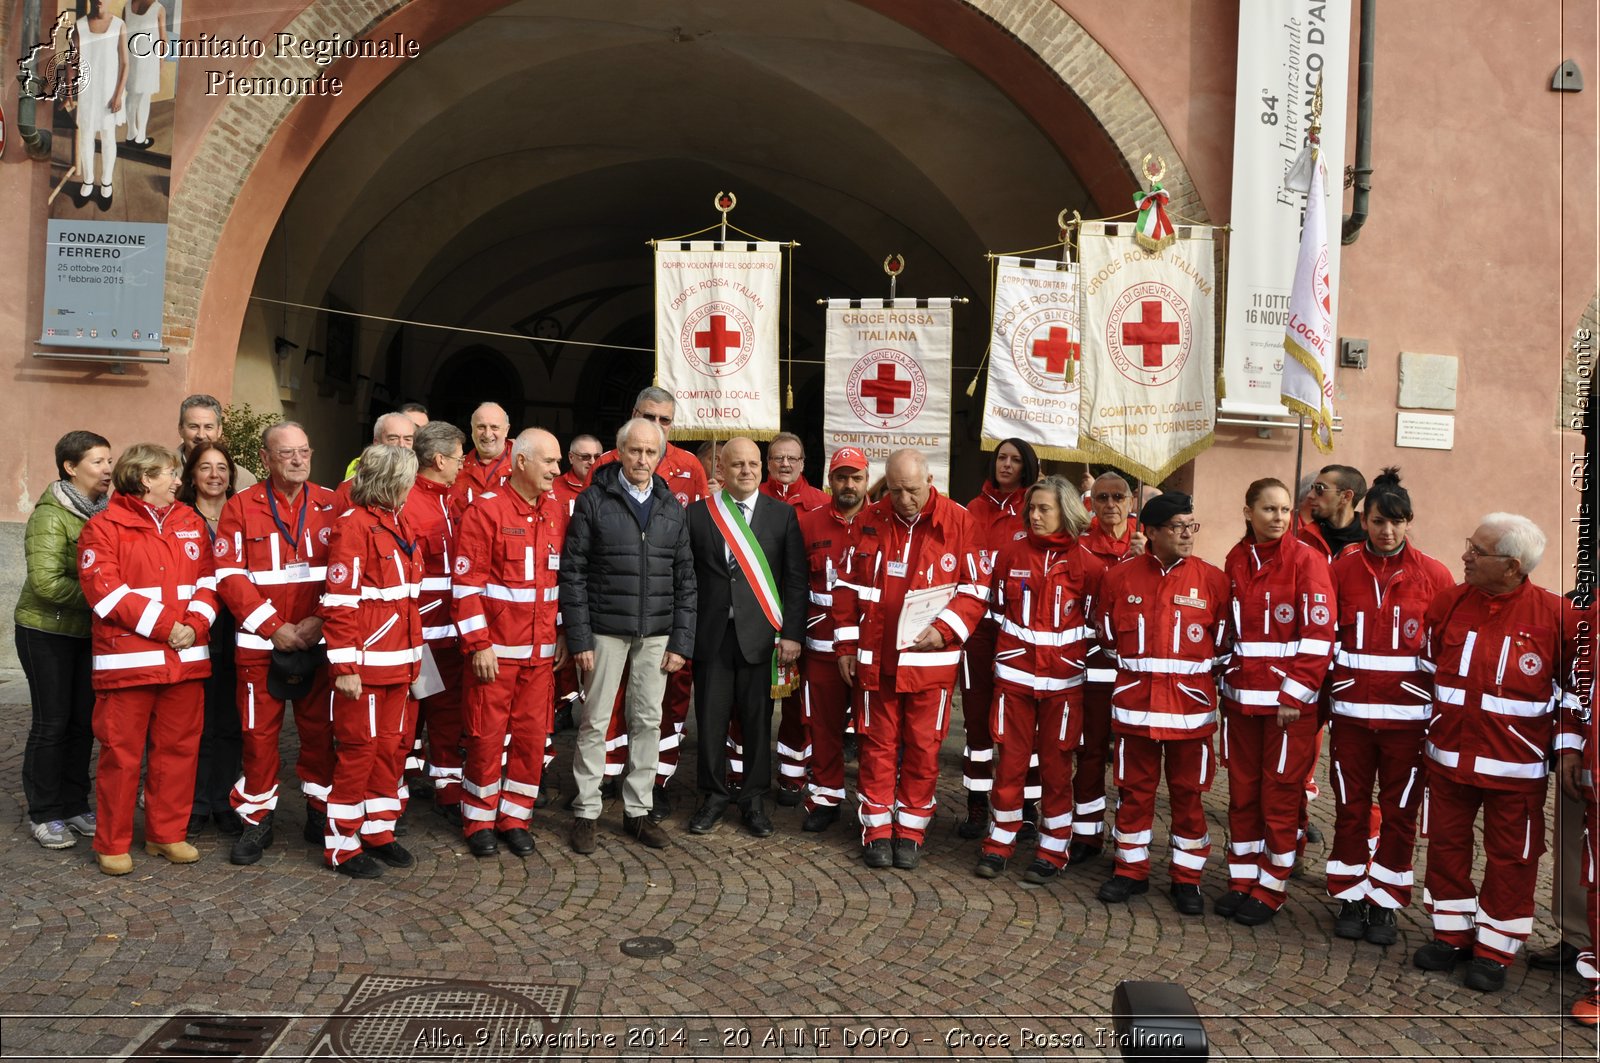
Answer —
649 833
583 839
115 863
175 852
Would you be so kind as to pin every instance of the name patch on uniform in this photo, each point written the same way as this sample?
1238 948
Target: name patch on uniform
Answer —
188 535
514 531
1184 599
1020 573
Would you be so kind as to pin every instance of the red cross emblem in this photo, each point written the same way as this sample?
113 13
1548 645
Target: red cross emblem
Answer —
886 388
717 339
1150 333
1057 351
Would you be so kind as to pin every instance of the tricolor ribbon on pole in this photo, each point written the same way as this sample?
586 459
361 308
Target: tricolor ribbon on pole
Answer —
1153 229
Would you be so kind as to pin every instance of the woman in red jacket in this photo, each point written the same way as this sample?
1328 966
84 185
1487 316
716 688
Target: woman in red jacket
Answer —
374 636
1382 700
1282 617
1041 593
146 569
997 519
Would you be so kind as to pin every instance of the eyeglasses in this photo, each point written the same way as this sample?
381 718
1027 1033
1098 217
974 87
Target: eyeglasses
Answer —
783 459
662 419
1190 528
1107 496
286 453
1477 551
575 456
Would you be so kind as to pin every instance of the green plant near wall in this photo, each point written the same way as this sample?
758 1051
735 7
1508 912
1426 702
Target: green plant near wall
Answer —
241 430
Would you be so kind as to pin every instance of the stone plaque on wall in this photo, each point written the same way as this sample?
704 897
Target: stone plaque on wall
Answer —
1428 381
1428 431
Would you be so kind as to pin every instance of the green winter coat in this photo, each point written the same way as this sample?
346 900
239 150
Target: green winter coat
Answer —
52 599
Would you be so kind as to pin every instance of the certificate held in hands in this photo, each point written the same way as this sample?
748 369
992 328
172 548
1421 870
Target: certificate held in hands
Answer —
921 609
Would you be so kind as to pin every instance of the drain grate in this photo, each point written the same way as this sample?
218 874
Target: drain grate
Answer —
388 1017
220 1037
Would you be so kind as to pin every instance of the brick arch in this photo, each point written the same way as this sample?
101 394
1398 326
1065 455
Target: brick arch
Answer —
252 155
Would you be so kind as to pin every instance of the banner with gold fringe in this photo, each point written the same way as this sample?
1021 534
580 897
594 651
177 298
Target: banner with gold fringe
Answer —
1034 378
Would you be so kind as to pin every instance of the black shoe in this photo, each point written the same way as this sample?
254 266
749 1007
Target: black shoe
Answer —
1381 927
316 830
1254 912
1028 833
790 796
1485 975
1081 853
820 819
660 805
483 843
1228 904
80 198
103 200
394 854
756 820
877 854
1438 955
706 818
1558 957
990 865
976 825
197 823
518 840
1351 922
1118 888
251 841
360 866
1039 872
450 813
610 788
1186 898
1313 835
548 792
228 822
907 854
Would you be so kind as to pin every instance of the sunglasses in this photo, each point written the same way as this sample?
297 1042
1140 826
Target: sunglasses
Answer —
1108 496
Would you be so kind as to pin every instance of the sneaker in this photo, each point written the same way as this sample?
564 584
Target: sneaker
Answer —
394 854
976 825
1186 898
252 840
53 835
1039 872
990 865
582 837
1228 904
1438 955
360 866
907 854
877 854
1586 1009
1351 922
1254 912
1485 975
83 824
1118 888
646 830
1381 925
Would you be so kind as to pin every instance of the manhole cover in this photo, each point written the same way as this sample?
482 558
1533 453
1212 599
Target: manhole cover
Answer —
648 948
236 1038
387 1018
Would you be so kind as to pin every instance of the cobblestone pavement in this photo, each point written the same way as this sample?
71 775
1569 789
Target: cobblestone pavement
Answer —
938 962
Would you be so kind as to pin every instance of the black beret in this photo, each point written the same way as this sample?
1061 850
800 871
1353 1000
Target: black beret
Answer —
1164 507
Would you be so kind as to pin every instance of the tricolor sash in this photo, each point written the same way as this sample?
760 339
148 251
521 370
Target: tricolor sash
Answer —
747 551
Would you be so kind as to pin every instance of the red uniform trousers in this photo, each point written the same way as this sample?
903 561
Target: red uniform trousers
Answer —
674 711
369 759
440 717
1138 773
905 729
168 719
1045 728
504 723
1089 779
977 708
826 702
1513 841
1267 768
794 747
1393 758
260 722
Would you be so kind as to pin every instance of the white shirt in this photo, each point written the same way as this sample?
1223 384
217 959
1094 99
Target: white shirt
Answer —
640 494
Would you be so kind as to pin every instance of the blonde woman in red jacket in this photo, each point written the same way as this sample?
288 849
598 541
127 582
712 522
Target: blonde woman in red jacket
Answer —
374 635
146 569
1282 617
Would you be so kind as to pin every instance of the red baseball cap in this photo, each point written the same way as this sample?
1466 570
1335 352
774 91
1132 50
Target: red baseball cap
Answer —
848 458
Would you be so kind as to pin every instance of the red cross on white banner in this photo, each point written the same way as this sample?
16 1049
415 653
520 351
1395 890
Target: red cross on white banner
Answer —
885 388
1056 350
717 339
1150 333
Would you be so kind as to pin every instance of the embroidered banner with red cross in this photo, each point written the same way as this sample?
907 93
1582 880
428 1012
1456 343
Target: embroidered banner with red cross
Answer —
1034 365
717 336
1149 346
887 383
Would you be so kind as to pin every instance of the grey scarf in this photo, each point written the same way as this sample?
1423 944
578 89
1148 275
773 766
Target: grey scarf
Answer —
76 501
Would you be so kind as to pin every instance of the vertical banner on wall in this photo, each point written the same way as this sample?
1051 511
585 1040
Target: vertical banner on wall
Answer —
111 175
887 379
717 335
1286 47
1034 376
1149 349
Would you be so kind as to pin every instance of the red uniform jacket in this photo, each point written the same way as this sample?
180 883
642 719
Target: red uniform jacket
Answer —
685 476
271 572
996 519
430 518
508 559
1166 630
1499 665
1042 593
828 539
1112 551
801 495
478 476
566 489
141 575
889 559
369 612
1377 677
1282 626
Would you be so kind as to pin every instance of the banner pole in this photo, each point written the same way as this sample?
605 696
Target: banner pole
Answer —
1299 457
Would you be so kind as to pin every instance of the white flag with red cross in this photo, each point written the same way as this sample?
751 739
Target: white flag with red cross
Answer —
717 335
1034 357
1149 347
887 380
1308 336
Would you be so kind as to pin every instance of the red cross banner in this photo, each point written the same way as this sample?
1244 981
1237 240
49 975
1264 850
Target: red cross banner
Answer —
1149 345
717 336
887 381
1034 357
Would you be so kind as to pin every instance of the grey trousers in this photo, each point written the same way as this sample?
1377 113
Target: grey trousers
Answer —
641 659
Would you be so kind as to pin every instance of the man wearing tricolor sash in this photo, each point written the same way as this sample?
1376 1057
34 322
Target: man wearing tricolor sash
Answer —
750 574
